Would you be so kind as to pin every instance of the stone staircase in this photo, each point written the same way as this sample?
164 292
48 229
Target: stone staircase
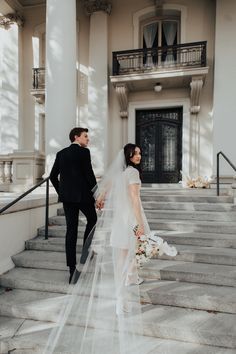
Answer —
189 302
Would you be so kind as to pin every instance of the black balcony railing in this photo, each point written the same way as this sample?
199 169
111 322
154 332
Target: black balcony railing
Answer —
160 58
38 78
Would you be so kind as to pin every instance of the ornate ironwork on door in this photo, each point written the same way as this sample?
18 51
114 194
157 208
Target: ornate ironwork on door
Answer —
159 133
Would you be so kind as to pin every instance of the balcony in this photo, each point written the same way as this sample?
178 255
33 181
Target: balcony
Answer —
141 68
38 90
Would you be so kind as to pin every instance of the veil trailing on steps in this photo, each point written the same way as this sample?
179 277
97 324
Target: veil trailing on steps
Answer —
101 314
102 311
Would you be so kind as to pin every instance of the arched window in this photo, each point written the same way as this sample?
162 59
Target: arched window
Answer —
160 32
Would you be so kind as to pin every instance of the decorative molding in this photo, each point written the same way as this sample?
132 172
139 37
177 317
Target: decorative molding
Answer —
122 93
14 4
92 6
10 19
39 95
196 87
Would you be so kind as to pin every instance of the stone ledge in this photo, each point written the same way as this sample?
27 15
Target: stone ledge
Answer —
31 202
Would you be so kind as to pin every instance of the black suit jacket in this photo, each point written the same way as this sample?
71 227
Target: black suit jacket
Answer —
76 181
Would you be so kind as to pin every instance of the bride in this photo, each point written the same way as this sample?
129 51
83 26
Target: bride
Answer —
102 312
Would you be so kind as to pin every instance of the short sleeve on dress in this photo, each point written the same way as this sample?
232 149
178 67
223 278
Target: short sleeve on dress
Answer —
133 176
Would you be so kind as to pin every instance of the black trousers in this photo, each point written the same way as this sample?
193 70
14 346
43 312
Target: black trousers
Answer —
72 221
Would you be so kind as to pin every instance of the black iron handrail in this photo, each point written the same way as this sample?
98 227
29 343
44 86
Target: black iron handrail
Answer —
46 180
218 168
136 60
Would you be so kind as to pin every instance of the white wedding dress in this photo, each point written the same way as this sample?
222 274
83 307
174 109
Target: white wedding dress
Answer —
122 234
102 312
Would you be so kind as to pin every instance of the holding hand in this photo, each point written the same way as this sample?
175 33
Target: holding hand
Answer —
138 230
100 203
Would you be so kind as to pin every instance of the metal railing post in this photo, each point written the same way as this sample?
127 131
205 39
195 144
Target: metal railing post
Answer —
218 173
218 169
47 209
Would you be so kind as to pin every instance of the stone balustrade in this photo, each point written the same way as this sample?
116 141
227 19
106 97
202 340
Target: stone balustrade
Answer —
20 169
6 170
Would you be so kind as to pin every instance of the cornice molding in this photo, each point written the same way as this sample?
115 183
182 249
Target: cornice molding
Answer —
15 5
92 6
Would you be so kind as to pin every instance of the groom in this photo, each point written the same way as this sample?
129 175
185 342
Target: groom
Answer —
74 187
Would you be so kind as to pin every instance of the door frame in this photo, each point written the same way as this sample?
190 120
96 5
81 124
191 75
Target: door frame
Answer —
165 103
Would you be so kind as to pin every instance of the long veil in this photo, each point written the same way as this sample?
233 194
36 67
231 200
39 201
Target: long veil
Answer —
102 312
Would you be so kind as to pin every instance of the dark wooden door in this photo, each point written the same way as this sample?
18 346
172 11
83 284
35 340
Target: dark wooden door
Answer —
159 134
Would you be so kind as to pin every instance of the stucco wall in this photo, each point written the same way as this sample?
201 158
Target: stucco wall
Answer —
199 25
21 225
225 76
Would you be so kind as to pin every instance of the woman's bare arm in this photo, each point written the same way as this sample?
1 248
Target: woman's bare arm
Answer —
136 203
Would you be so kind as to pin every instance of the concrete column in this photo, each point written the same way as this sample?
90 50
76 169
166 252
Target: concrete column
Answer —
98 89
61 78
9 89
224 113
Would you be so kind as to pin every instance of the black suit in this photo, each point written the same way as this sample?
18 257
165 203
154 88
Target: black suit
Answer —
74 188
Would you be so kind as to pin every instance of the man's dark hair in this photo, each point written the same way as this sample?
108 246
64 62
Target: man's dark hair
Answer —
76 131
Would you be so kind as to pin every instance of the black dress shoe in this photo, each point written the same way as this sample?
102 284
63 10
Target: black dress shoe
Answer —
74 277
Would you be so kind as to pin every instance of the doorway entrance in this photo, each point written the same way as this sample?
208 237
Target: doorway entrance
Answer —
159 134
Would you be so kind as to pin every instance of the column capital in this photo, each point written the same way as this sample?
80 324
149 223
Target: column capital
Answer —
92 6
12 18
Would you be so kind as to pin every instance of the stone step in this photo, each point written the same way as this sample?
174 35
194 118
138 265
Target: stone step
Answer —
56 244
193 295
155 269
202 273
30 337
169 322
176 233
228 227
155 217
190 325
191 215
186 198
199 238
211 207
188 253
39 259
209 255
155 205
189 272
183 191
43 280
58 231
165 321
32 304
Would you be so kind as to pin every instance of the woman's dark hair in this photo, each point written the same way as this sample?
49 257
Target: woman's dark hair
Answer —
76 131
129 151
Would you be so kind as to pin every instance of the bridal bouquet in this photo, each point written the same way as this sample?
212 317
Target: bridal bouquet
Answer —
151 246
145 250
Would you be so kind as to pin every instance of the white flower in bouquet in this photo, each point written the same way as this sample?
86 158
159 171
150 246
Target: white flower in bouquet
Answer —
145 250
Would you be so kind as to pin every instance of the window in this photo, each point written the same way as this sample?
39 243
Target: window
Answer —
160 32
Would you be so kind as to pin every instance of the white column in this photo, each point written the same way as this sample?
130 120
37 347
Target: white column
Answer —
9 89
98 89
61 78
224 111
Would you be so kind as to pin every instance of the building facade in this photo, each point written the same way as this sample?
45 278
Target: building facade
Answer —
158 73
